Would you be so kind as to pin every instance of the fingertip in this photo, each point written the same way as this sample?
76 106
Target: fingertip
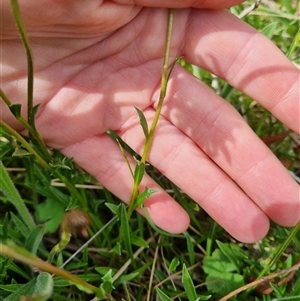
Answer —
251 230
167 214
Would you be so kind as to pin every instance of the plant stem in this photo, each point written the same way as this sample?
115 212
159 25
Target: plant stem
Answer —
30 149
74 192
22 255
34 134
163 90
280 249
30 125
21 28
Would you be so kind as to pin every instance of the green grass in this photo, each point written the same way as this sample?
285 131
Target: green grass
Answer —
128 258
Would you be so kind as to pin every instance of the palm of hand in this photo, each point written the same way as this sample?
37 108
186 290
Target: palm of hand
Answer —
90 85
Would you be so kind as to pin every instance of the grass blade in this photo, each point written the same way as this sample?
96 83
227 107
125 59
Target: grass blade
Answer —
21 28
190 248
188 284
9 189
162 295
125 230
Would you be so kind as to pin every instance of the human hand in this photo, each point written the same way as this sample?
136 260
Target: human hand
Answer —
95 61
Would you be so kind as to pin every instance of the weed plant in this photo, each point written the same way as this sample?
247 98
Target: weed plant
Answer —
64 237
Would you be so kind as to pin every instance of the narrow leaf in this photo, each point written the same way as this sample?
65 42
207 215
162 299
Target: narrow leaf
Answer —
127 278
9 189
139 172
190 248
188 284
143 196
20 225
34 239
24 289
112 207
125 230
162 295
174 264
138 241
4 227
143 122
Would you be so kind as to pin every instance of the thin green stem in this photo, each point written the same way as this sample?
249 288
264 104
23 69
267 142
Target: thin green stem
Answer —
72 189
34 134
74 192
18 117
21 28
30 149
22 255
163 91
5 98
30 125
280 250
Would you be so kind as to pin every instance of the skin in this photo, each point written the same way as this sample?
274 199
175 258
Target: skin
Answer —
96 60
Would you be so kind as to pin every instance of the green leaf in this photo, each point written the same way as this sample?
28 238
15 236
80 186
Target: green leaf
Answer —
15 108
104 270
51 213
43 287
125 230
294 45
162 295
221 278
21 227
34 239
190 248
139 172
143 196
117 249
270 29
19 152
23 290
107 284
4 227
224 284
10 287
188 284
126 278
35 109
218 263
6 264
65 163
138 241
44 189
9 189
112 207
174 264
143 122
234 254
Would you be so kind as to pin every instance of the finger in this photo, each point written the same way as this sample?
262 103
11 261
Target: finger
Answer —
212 4
183 162
102 158
228 47
222 134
